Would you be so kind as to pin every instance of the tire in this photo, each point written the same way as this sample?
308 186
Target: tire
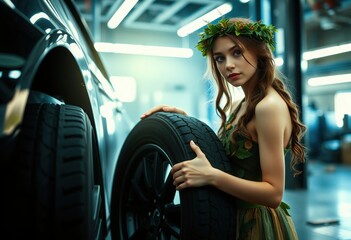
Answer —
57 194
146 205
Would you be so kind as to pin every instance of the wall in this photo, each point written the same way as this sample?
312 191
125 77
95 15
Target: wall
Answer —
161 80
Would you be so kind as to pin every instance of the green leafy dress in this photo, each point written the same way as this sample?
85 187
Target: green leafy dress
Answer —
255 222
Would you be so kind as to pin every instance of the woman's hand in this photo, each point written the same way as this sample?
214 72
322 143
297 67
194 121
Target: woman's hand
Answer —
193 173
163 108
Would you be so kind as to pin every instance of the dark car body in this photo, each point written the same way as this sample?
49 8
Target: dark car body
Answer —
47 56
72 165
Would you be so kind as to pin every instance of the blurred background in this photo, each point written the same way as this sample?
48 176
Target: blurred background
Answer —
148 47
151 61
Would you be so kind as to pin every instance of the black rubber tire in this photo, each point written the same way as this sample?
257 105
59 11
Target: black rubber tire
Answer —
144 202
55 192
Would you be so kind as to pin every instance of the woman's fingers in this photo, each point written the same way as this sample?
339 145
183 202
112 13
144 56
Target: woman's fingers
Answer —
174 109
192 173
179 173
163 108
179 180
152 111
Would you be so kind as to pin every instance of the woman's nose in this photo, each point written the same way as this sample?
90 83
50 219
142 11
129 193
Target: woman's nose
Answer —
230 64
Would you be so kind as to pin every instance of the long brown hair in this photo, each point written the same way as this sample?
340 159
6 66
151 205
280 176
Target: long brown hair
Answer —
268 76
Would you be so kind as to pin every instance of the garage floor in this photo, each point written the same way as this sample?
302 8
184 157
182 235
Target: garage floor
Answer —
328 198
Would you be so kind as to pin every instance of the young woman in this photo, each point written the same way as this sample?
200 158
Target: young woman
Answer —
256 131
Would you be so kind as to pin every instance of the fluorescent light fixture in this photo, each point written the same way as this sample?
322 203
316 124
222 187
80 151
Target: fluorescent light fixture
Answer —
143 50
334 79
324 52
121 13
205 19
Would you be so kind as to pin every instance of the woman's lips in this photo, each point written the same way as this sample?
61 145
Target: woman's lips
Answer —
234 76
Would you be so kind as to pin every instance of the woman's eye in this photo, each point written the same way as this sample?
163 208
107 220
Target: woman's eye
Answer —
237 52
219 59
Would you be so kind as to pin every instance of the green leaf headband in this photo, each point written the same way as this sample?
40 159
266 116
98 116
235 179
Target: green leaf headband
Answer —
224 27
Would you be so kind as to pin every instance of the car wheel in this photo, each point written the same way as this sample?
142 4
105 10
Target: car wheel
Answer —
146 205
56 193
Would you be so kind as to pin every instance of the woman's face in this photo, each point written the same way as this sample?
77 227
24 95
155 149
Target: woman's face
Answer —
231 63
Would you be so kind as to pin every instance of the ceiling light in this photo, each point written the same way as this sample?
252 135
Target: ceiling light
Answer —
144 50
205 19
121 13
324 52
334 79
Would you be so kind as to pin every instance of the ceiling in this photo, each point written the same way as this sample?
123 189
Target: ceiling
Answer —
170 15
160 15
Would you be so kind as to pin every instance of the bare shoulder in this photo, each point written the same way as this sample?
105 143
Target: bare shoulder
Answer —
273 119
272 105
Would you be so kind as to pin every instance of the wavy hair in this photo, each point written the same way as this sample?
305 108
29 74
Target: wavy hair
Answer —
268 76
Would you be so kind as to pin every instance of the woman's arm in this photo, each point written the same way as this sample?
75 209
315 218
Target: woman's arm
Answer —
199 172
270 125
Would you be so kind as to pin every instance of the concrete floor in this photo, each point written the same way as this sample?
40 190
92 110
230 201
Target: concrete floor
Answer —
328 197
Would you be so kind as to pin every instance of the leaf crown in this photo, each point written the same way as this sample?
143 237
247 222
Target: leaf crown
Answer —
224 27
